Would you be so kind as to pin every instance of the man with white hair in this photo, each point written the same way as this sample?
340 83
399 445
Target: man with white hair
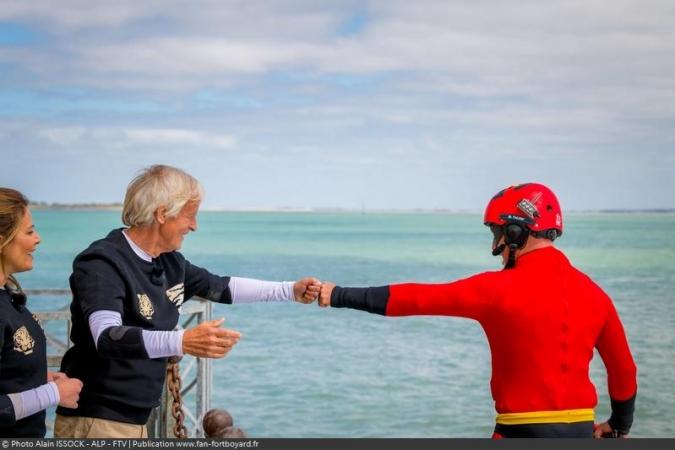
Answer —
127 292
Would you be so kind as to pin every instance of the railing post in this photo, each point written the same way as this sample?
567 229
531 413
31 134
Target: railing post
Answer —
204 377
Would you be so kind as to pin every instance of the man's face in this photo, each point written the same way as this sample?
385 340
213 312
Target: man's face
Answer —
174 229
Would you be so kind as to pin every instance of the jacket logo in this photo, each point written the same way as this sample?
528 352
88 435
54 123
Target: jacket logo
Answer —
23 341
145 306
176 294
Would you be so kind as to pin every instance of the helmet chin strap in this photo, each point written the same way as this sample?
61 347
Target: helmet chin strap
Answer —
511 262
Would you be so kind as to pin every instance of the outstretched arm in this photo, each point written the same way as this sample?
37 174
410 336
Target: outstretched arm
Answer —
249 290
231 290
469 298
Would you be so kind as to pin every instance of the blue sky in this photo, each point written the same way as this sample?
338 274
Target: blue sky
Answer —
353 104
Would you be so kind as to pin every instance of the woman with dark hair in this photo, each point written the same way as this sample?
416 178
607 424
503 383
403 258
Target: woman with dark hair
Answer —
26 387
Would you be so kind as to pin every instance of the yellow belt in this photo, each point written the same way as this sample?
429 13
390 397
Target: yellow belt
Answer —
564 416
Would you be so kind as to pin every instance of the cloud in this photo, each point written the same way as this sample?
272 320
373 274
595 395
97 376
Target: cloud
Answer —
64 137
468 88
72 15
197 59
528 47
145 136
102 138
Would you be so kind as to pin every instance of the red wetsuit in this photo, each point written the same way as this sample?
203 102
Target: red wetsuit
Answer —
543 318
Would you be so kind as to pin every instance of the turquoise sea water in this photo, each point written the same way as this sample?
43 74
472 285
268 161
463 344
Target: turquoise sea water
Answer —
302 371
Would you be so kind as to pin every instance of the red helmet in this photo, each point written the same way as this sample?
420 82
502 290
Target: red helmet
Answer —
531 204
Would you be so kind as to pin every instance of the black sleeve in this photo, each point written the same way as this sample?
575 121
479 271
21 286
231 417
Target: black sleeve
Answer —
97 286
201 282
622 415
7 417
372 299
122 342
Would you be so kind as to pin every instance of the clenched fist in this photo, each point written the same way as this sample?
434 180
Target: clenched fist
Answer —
69 391
306 290
326 291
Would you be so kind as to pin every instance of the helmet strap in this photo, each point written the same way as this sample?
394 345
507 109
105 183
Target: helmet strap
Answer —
515 237
551 234
511 262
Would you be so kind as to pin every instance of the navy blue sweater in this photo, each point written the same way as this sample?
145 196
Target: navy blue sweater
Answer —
110 276
23 364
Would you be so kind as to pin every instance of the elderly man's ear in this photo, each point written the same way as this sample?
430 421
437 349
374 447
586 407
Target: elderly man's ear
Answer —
160 215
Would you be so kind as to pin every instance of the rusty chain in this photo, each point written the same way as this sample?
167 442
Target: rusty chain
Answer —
174 383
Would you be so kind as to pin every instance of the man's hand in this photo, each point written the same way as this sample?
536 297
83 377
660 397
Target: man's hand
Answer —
603 431
54 376
69 391
326 291
306 290
209 340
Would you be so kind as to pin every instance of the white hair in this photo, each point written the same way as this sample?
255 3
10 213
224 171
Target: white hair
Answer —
155 187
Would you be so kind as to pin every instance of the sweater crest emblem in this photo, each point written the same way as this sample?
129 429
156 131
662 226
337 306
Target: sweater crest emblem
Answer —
176 294
23 341
145 306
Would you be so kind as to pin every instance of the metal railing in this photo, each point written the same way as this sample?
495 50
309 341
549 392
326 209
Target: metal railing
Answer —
196 373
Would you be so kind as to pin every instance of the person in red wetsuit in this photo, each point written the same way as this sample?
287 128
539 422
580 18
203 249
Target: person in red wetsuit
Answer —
543 318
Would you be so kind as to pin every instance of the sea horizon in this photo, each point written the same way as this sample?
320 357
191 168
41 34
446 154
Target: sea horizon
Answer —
94 206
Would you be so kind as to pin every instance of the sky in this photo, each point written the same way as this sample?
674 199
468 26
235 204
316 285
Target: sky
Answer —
391 104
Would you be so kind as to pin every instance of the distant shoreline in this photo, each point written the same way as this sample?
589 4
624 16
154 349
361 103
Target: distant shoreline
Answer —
44 206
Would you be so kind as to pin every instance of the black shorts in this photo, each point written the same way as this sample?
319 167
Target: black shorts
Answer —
545 430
